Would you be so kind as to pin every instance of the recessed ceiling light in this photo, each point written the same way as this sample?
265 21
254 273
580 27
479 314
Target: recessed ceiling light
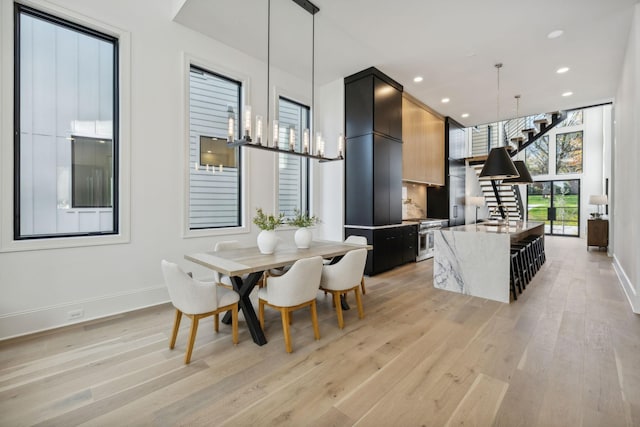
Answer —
445 100
464 115
555 34
562 70
418 79
567 94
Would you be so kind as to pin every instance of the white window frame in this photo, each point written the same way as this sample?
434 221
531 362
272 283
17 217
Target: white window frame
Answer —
245 163
7 241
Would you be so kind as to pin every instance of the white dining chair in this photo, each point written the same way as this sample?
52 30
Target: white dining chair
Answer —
197 300
358 240
222 279
344 276
295 289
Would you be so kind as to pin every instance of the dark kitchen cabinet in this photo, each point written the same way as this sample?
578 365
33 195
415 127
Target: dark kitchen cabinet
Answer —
448 201
391 246
373 149
410 243
373 181
373 103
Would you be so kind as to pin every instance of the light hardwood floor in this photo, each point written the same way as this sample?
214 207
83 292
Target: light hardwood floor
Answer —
567 353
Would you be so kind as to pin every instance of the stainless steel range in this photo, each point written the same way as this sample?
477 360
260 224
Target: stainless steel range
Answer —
425 235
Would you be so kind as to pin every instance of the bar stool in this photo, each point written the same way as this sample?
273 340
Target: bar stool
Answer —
523 265
529 263
515 279
537 249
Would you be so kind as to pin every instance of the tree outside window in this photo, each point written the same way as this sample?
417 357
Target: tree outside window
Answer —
537 157
569 153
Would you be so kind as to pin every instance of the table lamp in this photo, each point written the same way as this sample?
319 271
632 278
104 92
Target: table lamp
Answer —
598 200
476 201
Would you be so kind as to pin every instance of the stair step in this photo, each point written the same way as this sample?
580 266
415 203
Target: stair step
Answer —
541 121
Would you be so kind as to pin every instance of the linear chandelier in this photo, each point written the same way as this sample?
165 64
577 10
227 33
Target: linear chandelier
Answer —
259 141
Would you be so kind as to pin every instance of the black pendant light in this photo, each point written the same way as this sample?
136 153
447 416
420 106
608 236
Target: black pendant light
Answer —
525 176
499 164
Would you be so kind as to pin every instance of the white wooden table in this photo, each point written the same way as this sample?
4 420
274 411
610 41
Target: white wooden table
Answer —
241 261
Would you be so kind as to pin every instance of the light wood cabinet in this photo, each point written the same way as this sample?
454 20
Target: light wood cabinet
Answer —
423 143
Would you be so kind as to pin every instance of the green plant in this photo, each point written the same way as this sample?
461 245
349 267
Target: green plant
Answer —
267 222
300 219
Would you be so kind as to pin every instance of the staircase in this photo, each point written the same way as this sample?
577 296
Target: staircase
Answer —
508 197
517 134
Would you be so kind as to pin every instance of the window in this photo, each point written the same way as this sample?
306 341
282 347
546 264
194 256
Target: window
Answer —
293 171
574 118
91 172
214 168
569 153
66 102
537 156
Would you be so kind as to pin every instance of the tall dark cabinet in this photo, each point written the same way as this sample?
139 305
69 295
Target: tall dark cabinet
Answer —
373 168
373 156
449 201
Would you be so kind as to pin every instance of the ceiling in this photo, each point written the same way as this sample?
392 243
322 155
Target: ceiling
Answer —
453 45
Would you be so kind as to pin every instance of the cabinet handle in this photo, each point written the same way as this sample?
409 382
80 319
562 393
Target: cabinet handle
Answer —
455 211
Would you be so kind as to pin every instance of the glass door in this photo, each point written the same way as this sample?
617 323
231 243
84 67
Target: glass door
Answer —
557 204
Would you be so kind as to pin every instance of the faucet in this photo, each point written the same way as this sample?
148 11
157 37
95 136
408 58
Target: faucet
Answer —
496 211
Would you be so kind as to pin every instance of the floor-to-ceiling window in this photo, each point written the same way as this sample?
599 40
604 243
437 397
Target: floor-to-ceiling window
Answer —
556 164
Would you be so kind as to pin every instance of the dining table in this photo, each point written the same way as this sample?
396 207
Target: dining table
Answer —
245 266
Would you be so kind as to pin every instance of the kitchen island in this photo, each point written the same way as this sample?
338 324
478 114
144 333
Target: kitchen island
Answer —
475 259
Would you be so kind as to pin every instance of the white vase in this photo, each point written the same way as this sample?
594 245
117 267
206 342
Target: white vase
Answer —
303 238
267 241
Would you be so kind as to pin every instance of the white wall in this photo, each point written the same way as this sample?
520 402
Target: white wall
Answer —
328 178
39 287
626 158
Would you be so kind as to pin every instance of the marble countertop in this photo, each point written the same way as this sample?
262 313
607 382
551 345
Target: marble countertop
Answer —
515 227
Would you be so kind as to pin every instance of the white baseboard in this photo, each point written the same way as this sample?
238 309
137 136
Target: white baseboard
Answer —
37 320
627 286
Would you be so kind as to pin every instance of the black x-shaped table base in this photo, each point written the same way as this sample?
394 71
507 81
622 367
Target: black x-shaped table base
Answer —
244 288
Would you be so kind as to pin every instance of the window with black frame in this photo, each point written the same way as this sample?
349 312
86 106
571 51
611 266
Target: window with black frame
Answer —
66 136
293 171
214 169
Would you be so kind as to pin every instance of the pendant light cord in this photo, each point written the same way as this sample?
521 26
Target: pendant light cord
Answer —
498 66
313 80
517 97
269 133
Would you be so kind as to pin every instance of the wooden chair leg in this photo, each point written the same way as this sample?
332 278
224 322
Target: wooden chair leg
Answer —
261 313
285 329
234 323
176 326
215 322
314 320
336 302
359 303
362 286
192 337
